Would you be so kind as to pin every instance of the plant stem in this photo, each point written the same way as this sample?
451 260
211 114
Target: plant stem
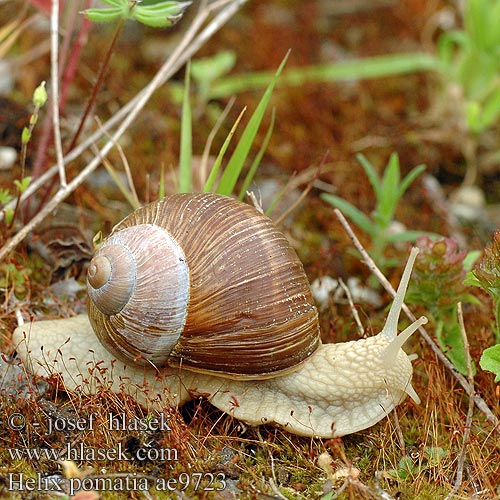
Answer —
54 73
97 85
188 46
478 400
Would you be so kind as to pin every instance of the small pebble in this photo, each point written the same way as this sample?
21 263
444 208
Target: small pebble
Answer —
8 157
14 381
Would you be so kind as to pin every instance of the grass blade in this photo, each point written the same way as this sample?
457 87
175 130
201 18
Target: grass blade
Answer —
218 161
255 165
410 177
237 160
186 151
357 216
372 67
371 174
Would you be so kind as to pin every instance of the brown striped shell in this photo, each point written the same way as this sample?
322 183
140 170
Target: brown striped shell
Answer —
204 282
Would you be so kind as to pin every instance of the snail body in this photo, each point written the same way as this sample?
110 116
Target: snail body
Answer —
241 329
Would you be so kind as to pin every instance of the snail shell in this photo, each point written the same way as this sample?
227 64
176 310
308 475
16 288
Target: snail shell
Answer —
204 282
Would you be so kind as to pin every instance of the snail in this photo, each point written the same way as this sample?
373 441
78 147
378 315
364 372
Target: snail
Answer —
200 294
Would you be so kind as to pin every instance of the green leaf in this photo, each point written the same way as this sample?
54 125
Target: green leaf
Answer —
408 235
5 196
435 455
449 338
470 259
186 152
22 184
215 169
473 116
211 68
447 46
208 69
471 280
8 215
406 468
357 216
388 197
371 67
491 109
161 14
104 15
116 3
371 174
410 177
237 160
255 165
25 135
490 361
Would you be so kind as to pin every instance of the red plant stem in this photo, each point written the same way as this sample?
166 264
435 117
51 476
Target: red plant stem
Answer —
72 64
90 103
43 144
97 86
68 75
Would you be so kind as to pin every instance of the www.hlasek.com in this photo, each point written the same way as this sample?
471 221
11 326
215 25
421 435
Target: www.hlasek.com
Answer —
81 453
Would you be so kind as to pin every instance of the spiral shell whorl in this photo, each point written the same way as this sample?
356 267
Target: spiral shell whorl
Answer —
250 312
99 271
111 278
138 285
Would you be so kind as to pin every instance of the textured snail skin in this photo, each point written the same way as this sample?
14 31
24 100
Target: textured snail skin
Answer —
340 389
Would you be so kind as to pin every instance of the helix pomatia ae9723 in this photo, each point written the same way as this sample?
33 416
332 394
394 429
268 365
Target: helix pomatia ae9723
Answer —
199 294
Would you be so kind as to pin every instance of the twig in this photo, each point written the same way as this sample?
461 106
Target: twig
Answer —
272 480
478 400
188 46
133 199
399 432
304 193
98 84
468 420
210 139
354 311
54 74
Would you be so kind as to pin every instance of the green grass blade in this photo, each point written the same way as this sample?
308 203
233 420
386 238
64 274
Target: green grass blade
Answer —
255 165
218 161
121 185
237 160
276 200
371 174
409 235
410 177
161 190
186 139
372 67
357 216
389 193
